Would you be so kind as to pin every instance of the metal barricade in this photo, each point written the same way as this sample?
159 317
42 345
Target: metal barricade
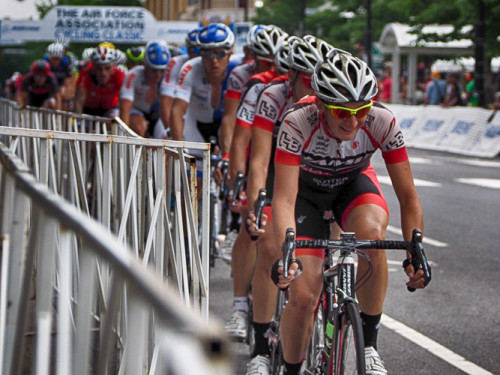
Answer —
143 190
54 315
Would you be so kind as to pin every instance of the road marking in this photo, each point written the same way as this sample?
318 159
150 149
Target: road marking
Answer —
480 163
416 160
483 182
426 240
433 347
387 180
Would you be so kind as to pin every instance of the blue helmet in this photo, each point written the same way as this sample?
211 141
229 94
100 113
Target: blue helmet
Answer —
215 35
191 40
157 54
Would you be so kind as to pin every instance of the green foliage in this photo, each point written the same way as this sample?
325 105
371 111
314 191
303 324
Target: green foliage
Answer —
343 22
46 5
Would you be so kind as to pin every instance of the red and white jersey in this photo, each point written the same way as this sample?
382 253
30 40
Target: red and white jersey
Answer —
238 78
246 109
172 75
327 162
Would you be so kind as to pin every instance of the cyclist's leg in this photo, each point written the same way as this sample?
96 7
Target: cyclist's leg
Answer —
242 266
138 122
263 289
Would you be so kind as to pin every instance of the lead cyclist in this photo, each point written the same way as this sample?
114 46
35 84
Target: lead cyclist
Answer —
322 163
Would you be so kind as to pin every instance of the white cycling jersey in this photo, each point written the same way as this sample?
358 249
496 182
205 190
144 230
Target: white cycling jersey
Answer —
136 89
172 75
194 88
238 78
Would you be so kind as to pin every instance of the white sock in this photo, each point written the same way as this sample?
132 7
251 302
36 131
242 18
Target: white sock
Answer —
240 304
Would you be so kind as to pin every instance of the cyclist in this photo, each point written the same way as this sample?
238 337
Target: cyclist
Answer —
99 84
172 76
11 86
268 40
273 102
135 56
61 67
322 163
201 85
140 92
39 87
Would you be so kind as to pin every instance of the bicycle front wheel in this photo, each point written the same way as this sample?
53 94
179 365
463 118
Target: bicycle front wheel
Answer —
348 353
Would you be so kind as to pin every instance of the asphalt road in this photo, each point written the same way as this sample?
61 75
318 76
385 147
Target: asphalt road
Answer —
453 326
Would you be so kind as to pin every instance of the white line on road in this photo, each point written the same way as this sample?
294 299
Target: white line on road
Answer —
483 182
433 347
427 240
387 180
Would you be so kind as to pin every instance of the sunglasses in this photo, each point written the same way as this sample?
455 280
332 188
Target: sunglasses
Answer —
209 54
306 80
103 67
264 61
344 113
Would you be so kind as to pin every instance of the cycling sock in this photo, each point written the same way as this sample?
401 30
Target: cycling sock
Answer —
292 368
261 340
240 304
371 324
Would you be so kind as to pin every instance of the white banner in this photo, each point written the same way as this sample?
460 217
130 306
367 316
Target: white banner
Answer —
462 130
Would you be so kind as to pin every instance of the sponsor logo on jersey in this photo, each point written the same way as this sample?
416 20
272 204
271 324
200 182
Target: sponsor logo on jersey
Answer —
184 72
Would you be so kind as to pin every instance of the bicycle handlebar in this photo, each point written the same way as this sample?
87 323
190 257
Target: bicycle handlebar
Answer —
261 202
348 242
238 187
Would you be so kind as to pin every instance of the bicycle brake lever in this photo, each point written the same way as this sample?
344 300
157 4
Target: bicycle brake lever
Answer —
259 205
420 260
288 247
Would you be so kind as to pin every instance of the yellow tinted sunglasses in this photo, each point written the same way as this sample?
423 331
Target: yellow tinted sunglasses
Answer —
344 113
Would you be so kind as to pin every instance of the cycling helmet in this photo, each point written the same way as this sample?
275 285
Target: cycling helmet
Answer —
135 54
64 41
282 56
107 45
191 38
104 55
55 50
251 35
121 57
268 39
305 53
157 54
40 67
215 35
342 77
87 53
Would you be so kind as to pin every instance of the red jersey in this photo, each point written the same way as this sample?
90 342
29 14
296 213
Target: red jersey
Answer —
102 97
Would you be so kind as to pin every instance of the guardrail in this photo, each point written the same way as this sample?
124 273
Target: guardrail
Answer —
143 190
54 315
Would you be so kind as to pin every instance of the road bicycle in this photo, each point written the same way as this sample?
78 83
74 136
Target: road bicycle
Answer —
337 345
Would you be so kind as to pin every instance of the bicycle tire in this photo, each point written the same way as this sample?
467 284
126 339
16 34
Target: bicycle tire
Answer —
314 359
276 354
213 230
348 352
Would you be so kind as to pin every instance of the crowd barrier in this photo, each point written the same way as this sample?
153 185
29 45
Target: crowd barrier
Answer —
54 316
143 190
461 130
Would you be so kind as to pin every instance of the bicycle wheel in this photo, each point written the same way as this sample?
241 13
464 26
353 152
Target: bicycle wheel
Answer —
314 360
213 229
348 353
276 356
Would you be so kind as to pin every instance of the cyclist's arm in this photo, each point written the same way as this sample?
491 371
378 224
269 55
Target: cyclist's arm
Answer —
80 96
176 123
259 163
286 184
238 152
22 98
228 123
166 109
125 107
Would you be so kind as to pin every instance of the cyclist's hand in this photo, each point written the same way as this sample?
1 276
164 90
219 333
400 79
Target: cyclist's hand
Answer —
251 224
238 202
416 279
294 271
218 176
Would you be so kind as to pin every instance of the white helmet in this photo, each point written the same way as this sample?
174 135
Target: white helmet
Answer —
267 40
306 52
342 77
55 50
282 56
104 55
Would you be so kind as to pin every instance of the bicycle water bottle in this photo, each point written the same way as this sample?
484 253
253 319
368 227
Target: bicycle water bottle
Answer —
328 337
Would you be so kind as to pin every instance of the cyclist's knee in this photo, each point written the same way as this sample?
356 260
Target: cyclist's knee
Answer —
302 300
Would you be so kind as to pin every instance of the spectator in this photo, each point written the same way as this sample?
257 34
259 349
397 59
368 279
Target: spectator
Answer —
386 94
470 96
453 95
39 87
403 88
436 90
